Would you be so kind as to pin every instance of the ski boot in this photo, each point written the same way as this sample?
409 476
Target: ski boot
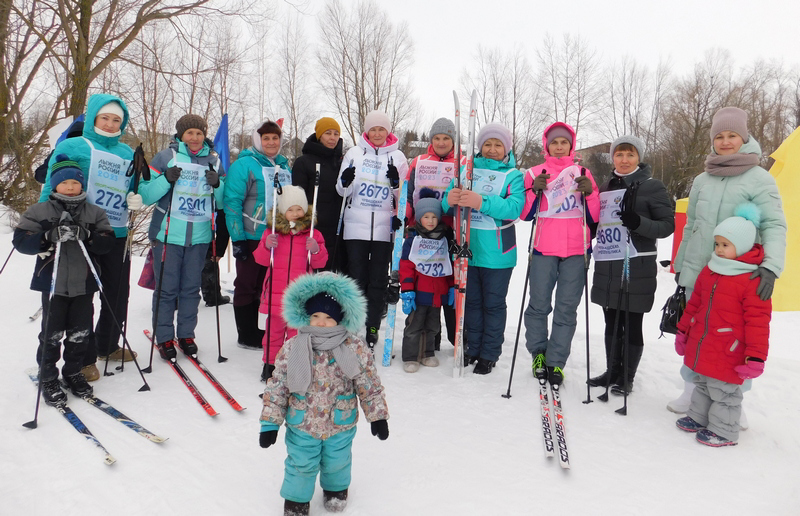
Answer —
78 385
555 375
52 393
372 337
538 367
188 345
167 350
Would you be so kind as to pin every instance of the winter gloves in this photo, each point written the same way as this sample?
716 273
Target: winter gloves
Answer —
380 428
267 438
348 175
630 219
540 182
173 174
584 185
63 233
766 284
396 223
134 201
312 245
680 343
271 241
212 178
409 304
752 368
393 175
240 250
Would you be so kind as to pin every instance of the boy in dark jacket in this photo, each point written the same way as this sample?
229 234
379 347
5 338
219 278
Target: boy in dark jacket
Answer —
59 224
426 282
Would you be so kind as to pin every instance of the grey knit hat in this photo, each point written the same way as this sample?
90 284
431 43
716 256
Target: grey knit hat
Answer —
559 132
443 126
730 119
191 122
428 203
630 140
495 130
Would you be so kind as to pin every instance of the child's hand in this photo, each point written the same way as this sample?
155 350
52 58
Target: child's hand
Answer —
471 199
454 197
752 368
311 244
680 343
268 438
451 296
379 428
271 241
409 305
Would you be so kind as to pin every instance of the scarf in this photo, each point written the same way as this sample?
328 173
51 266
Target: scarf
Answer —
315 338
434 234
70 203
730 165
728 267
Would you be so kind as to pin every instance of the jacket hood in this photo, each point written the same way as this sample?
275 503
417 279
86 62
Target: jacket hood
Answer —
389 145
97 101
569 128
257 139
313 146
754 256
342 288
751 146
283 227
262 159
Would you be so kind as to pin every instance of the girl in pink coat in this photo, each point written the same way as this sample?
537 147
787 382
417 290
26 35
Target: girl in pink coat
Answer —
291 242
557 194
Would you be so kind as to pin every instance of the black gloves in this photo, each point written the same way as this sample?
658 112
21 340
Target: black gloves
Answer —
630 219
212 178
393 175
348 175
63 233
241 251
540 182
677 277
173 174
140 163
766 284
268 438
380 428
584 185
396 223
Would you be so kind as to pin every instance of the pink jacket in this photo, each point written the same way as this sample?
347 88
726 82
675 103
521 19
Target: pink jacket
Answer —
558 237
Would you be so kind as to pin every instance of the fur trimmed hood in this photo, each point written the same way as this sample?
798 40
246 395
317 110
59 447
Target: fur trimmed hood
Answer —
282 225
342 288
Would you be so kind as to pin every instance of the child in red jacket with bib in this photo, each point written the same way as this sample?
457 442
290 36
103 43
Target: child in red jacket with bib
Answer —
724 332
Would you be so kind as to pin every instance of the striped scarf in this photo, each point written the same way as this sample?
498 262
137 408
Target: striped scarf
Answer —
315 338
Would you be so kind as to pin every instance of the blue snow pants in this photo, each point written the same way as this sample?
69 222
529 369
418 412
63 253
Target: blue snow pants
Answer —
331 458
485 312
181 289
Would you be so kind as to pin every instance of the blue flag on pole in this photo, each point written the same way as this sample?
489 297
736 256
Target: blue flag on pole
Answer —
221 144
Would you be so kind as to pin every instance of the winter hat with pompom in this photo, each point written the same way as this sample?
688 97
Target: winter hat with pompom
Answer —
742 228
63 169
292 196
428 203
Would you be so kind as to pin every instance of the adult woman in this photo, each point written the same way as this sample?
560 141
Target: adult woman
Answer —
324 147
248 207
633 220
732 176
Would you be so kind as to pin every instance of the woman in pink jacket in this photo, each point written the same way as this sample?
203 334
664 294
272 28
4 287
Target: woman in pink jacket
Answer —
291 242
562 197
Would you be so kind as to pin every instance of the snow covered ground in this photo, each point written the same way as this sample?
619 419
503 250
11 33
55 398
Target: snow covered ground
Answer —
456 447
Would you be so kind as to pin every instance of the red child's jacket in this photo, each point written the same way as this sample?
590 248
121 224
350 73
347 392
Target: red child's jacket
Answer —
726 321
431 291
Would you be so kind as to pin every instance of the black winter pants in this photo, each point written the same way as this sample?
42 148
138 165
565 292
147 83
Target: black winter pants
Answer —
368 264
422 325
70 315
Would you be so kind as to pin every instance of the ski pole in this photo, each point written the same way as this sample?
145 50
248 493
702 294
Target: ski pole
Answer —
626 274
524 293
334 261
313 212
276 189
220 358
586 294
144 387
7 259
149 368
43 343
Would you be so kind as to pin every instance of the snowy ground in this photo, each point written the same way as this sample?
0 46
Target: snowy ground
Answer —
456 446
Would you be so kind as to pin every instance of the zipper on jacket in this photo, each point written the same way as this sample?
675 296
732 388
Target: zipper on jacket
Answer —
289 268
705 326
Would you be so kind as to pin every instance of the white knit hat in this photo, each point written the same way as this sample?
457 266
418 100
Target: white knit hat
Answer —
292 196
741 229
113 108
496 131
377 119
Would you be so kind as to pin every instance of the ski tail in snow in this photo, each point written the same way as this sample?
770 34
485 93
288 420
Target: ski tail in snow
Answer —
125 420
397 251
210 377
553 419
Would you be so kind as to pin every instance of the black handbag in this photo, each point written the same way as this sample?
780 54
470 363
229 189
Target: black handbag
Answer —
672 311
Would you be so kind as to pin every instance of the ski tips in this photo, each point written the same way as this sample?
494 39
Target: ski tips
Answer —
30 424
109 460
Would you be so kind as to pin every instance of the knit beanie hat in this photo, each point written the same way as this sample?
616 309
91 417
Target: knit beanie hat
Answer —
327 304
191 122
325 124
377 119
741 229
497 131
113 108
292 196
559 132
443 126
730 119
63 169
428 203
630 140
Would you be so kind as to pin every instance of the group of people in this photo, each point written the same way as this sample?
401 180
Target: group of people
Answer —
313 242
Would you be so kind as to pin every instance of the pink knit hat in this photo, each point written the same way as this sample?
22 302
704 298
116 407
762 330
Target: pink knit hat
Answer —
730 119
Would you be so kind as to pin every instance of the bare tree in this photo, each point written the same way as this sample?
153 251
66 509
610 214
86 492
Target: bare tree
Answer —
295 97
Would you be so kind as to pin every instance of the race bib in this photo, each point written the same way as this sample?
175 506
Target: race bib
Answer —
612 236
373 190
485 182
435 175
563 198
191 196
285 179
107 185
431 257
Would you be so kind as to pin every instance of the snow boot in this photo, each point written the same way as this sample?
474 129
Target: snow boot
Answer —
555 375
120 355
688 424
430 362
469 359
266 372
90 372
167 350
411 367
610 376
335 501
681 404
245 325
188 345
78 385
538 367
372 336
709 438
634 356
52 393
291 508
483 366
219 301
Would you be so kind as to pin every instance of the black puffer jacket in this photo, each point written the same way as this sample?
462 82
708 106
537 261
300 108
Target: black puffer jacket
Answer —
654 205
328 202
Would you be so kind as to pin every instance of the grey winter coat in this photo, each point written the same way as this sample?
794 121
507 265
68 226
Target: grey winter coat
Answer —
657 211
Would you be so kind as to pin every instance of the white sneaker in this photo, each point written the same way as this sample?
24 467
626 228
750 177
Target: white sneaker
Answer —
681 404
430 362
743 423
411 367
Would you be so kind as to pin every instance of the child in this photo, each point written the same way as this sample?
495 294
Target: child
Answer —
248 209
496 199
65 219
369 182
561 240
184 177
318 374
426 280
290 241
725 314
